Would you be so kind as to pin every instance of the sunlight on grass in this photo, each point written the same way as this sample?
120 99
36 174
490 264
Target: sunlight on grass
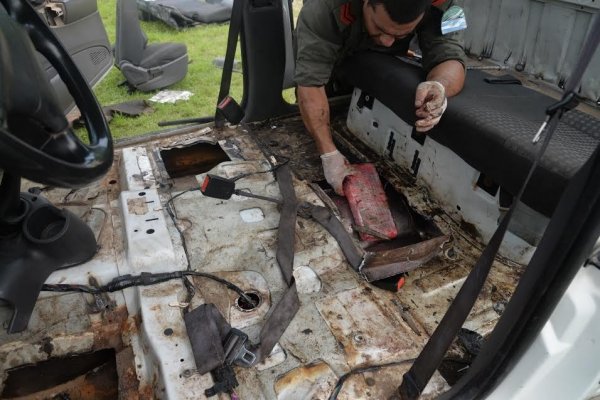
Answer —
204 43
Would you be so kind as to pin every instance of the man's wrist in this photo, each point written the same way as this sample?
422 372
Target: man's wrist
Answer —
330 154
325 145
439 81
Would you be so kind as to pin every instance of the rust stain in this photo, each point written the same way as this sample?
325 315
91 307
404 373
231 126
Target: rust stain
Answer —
107 332
131 325
137 206
145 393
128 380
297 376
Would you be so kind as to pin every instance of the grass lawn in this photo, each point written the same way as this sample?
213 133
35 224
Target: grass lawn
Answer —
204 43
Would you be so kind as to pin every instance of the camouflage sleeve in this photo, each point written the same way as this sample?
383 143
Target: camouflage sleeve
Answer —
318 41
436 47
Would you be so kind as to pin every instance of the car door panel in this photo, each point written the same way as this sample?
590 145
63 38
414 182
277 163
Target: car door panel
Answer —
79 27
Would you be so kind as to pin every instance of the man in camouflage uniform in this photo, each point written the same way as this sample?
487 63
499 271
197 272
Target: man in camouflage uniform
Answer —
329 30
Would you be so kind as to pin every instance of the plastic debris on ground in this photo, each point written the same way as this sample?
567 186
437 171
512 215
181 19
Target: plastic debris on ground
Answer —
171 96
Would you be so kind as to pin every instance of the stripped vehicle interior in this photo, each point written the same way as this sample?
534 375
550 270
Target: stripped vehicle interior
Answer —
216 261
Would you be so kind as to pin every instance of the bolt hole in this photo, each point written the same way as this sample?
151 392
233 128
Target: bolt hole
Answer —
150 231
244 305
112 182
359 338
168 332
181 360
136 230
141 193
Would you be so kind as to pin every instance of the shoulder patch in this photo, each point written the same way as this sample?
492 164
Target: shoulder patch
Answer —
346 16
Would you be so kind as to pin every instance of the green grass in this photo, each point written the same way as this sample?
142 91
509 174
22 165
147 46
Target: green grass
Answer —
204 43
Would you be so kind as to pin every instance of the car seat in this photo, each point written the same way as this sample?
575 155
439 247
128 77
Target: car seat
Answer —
145 66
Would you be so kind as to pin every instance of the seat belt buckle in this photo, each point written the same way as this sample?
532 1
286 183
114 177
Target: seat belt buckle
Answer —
229 109
235 349
217 187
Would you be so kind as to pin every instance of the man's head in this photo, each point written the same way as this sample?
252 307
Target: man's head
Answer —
390 20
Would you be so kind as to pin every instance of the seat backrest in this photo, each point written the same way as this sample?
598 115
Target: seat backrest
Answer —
131 40
488 125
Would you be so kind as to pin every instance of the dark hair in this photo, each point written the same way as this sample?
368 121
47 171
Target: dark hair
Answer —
402 11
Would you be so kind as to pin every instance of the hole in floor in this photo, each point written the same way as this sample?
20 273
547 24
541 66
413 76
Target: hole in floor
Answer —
193 160
244 305
412 227
85 376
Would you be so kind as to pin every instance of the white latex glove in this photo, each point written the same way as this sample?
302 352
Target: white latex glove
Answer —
431 102
336 168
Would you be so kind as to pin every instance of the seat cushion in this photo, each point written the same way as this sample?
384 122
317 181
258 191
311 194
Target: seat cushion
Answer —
159 54
186 13
490 126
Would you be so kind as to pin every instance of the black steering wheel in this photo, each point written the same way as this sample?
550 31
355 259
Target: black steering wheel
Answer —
36 141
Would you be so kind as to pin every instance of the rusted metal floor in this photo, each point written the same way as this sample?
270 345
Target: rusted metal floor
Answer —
343 323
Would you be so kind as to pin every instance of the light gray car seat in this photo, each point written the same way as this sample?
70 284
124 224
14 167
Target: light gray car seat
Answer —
146 66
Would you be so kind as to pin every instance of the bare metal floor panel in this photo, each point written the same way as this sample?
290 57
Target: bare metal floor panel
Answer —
343 322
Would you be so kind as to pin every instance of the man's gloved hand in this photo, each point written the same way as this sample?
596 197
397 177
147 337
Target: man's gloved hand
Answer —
431 102
336 168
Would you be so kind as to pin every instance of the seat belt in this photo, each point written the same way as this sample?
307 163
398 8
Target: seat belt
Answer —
430 358
227 108
215 344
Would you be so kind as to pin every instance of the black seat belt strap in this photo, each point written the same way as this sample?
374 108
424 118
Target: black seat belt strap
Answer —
285 310
432 354
215 344
235 27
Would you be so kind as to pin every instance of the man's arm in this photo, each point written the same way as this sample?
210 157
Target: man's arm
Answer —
314 108
444 58
451 74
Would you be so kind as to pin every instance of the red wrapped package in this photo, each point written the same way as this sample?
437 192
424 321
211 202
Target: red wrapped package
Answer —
369 204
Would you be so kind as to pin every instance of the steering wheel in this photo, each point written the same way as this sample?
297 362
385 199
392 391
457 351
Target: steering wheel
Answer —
36 141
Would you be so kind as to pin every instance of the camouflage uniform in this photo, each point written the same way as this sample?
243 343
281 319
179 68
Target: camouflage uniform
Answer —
329 30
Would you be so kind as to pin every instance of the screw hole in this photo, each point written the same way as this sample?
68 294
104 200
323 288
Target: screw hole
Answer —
168 332
458 207
141 193
112 182
150 231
